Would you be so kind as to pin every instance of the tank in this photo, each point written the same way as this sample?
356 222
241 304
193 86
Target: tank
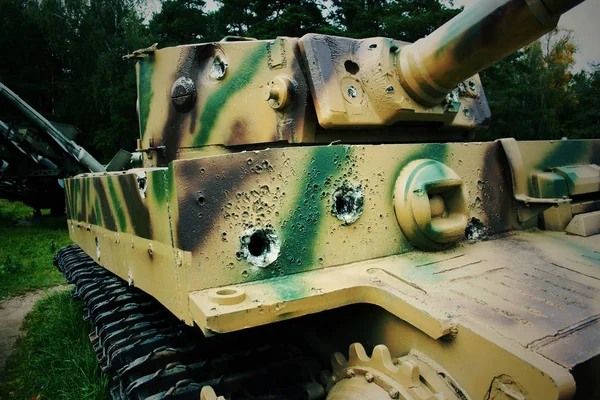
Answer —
313 221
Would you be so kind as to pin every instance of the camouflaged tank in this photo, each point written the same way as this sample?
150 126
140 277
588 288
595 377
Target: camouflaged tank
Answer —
310 223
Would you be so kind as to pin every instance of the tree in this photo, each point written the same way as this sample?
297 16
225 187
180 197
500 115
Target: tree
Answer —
67 64
179 22
28 64
263 19
98 91
287 18
359 18
407 20
529 92
584 120
411 20
235 17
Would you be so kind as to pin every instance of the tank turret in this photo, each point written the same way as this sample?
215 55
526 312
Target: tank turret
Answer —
212 97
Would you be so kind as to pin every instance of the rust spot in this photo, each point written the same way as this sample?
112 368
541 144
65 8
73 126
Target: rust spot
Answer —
239 132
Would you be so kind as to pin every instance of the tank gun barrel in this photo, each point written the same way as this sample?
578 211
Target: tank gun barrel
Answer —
481 35
67 145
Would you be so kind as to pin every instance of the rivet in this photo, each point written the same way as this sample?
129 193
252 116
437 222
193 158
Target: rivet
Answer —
183 94
369 377
280 92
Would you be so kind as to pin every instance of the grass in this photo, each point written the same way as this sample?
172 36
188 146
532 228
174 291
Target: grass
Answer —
14 210
27 249
55 359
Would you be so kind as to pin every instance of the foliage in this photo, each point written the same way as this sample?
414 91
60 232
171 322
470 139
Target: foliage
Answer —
407 20
584 120
11 211
27 250
411 20
180 21
287 18
533 95
55 359
265 19
78 46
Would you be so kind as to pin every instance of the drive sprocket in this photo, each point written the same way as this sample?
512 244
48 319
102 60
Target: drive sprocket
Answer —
380 377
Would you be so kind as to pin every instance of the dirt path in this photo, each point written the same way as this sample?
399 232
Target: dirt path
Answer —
12 313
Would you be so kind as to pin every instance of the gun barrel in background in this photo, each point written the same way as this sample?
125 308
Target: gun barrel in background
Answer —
481 35
46 127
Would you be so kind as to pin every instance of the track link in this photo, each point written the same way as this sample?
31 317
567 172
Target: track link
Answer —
152 355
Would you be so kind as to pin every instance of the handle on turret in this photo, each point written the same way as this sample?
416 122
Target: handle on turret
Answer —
479 36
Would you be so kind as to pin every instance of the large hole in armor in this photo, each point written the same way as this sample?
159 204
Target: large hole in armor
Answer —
259 243
219 68
260 246
476 230
142 181
348 203
351 67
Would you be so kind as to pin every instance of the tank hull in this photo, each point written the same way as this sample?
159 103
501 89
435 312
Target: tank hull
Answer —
528 298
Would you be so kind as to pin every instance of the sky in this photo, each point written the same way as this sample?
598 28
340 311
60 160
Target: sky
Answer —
583 20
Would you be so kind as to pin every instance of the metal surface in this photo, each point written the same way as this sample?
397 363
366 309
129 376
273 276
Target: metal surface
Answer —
381 377
482 34
452 257
154 356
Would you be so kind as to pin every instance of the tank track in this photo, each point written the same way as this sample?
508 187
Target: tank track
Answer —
150 354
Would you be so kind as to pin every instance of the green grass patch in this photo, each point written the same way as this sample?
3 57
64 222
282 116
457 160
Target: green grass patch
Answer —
27 251
14 210
55 359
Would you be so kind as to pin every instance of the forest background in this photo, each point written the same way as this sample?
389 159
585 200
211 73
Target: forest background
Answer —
64 57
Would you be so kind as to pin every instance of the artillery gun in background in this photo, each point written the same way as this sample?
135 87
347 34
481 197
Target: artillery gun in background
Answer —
35 159
283 211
